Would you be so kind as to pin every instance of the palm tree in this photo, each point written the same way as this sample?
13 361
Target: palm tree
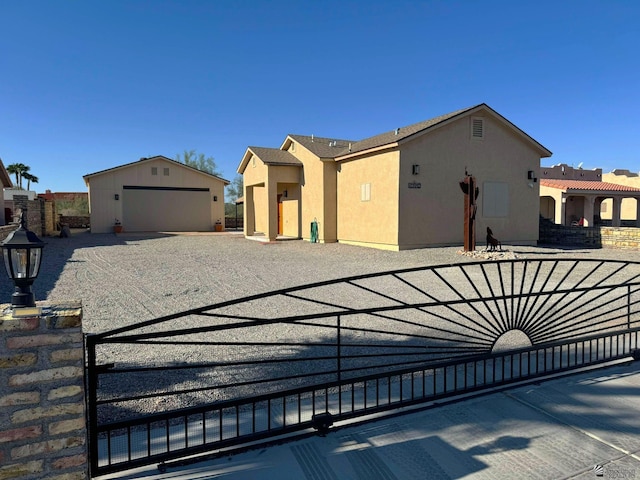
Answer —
18 169
29 178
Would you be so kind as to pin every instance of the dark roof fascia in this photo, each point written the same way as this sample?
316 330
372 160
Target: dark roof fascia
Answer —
5 177
392 139
156 157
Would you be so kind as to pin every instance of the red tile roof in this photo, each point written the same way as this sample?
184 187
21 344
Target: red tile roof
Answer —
586 185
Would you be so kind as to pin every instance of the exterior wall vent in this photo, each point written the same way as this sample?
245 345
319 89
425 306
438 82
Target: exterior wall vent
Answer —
477 128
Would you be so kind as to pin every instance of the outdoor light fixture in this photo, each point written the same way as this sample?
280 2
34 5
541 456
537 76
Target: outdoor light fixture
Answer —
215 198
22 256
285 194
530 175
116 196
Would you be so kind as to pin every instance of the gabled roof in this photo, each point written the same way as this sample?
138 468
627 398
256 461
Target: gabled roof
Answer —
586 185
320 146
394 137
270 156
275 156
145 160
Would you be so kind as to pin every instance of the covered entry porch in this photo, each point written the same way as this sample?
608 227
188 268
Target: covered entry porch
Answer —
579 203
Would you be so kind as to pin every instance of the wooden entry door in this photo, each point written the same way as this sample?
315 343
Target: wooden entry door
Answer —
279 214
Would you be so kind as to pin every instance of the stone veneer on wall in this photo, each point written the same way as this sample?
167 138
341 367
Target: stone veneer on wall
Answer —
42 401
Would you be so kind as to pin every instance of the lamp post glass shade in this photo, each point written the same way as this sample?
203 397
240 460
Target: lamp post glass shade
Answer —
22 251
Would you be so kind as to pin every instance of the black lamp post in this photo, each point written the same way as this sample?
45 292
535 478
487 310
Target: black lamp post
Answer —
22 256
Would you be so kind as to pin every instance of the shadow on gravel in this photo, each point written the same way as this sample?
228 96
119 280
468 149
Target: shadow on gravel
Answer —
58 251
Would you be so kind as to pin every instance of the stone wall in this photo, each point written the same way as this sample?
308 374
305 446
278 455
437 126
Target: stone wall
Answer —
590 237
42 402
620 237
35 212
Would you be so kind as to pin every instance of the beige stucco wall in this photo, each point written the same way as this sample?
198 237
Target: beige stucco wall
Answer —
318 194
372 222
262 186
399 217
103 187
629 206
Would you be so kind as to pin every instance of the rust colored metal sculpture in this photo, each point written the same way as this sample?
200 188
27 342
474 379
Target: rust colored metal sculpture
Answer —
471 194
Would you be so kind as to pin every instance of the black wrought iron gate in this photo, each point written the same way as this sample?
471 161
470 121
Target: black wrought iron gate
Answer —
305 357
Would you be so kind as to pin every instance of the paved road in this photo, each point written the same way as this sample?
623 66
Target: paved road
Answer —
558 429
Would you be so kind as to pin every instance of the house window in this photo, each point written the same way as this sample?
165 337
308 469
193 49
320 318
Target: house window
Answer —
154 170
253 162
166 172
603 207
365 192
292 148
477 128
495 199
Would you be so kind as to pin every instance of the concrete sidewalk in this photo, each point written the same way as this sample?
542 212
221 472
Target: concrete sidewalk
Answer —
581 426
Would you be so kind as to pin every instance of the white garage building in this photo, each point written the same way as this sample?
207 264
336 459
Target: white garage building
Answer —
155 194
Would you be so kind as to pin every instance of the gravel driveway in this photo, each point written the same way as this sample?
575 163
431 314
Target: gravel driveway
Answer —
128 278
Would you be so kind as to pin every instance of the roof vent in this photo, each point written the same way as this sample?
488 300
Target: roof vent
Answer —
312 138
397 131
349 146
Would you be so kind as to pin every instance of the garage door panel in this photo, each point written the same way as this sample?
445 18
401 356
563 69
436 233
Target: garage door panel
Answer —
153 210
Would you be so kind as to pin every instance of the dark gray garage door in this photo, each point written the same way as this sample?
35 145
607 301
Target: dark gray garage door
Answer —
158 209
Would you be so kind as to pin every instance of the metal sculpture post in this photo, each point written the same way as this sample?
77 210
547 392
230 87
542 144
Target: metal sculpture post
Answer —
471 193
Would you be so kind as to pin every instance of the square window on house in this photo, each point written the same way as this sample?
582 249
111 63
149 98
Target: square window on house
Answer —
477 128
166 172
365 192
495 199
292 148
154 170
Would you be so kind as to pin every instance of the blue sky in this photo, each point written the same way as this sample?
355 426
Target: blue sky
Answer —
89 85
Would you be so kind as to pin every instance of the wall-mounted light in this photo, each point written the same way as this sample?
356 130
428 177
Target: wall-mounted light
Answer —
285 194
415 169
215 198
116 196
530 175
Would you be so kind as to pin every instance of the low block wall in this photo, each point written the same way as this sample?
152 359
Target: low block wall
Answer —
591 237
42 406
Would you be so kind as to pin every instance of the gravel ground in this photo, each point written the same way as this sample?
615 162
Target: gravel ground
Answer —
127 278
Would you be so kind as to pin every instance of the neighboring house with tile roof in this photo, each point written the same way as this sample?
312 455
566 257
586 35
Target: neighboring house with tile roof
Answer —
155 194
400 189
570 196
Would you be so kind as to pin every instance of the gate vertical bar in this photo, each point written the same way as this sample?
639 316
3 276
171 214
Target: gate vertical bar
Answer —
339 348
92 403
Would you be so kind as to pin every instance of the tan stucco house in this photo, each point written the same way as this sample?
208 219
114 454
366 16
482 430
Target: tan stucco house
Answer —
5 179
155 194
573 196
400 189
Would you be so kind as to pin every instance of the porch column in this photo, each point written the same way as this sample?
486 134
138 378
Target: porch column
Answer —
249 226
589 201
563 208
637 211
272 201
615 214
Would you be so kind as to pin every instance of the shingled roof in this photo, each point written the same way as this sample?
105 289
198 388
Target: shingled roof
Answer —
323 147
583 185
275 156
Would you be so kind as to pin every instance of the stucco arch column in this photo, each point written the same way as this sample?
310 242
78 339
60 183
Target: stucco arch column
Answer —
615 214
272 200
561 208
249 212
589 201
637 211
